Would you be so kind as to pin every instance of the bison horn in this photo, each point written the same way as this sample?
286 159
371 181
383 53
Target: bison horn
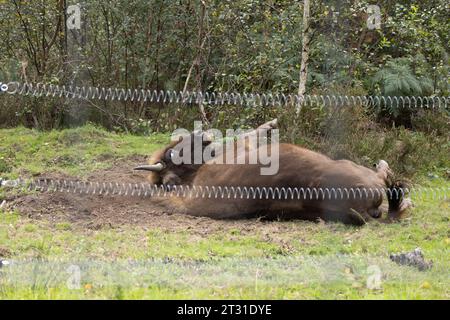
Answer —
151 167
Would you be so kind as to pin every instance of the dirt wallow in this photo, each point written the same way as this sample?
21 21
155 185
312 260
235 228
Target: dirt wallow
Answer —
103 211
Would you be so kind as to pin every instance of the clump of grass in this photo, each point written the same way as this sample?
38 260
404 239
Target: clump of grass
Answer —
4 166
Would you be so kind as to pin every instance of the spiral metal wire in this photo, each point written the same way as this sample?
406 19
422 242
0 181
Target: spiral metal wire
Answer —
218 98
221 192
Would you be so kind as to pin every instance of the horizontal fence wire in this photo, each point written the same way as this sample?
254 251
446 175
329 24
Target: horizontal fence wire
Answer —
219 98
223 192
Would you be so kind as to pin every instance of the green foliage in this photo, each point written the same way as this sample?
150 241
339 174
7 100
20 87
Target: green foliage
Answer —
242 45
396 78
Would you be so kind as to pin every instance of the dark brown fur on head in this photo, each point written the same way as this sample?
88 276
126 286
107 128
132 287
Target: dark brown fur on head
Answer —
174 174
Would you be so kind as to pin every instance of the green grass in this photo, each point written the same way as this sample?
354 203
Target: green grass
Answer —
69 151
276 260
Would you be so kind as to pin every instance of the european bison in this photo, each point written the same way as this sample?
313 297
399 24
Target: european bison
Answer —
298 168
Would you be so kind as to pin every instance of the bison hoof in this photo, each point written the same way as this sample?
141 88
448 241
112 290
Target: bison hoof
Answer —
273 124
406 204
382 166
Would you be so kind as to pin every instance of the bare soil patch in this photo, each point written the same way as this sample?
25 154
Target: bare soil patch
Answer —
100 211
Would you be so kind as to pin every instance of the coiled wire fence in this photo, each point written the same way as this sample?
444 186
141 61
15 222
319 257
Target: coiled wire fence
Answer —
218 98
223 192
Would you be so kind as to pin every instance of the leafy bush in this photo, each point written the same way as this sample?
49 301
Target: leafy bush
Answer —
397 79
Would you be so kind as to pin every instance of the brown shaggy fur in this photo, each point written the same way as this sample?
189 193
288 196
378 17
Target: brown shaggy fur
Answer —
298 167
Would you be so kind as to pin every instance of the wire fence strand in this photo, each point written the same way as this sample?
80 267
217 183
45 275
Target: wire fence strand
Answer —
223 192
219 98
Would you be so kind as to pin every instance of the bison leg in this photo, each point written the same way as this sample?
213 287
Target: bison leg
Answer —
403 207
253 139
352 217
398 204
272 124
262 129
383 170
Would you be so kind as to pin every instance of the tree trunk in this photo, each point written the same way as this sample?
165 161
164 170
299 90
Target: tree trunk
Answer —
77 111
305 54
201 40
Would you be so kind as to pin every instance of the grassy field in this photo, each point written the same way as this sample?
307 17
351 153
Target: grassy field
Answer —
60 259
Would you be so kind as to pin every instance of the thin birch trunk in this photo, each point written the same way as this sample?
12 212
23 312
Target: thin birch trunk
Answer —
305 55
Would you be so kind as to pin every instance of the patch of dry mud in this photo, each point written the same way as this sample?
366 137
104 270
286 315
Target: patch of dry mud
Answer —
98 211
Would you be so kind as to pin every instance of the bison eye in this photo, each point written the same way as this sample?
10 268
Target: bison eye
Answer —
169 154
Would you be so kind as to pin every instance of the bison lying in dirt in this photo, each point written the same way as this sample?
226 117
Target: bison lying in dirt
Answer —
298 167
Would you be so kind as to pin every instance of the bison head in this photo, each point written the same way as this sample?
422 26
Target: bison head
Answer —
177 163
